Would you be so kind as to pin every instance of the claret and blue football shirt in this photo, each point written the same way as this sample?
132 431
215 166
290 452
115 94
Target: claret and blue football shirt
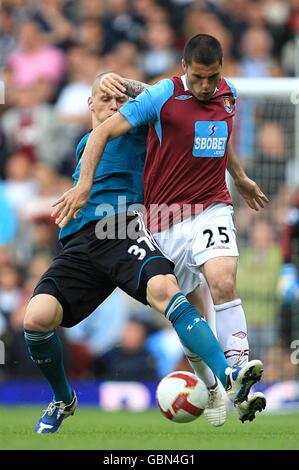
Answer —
187 144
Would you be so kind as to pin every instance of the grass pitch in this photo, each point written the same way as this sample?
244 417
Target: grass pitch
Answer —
91 428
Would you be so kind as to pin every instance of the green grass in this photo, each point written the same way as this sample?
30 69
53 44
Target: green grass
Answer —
91 428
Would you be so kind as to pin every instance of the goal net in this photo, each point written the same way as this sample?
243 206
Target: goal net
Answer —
266 142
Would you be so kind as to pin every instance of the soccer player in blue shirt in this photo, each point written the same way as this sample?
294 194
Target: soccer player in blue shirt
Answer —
189 149
89 268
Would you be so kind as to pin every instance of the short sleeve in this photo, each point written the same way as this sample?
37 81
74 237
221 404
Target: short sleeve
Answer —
145 109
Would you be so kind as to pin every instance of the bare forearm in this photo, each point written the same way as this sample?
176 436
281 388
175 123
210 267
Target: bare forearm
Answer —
90 159
234 167
134 88
113 127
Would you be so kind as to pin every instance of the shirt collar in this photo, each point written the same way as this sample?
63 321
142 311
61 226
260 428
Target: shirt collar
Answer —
184 81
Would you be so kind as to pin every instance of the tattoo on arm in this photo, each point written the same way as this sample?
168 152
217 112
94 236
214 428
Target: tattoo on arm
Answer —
134 88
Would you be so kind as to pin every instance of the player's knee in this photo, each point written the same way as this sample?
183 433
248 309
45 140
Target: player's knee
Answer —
223 289
42 314
32 319
160 290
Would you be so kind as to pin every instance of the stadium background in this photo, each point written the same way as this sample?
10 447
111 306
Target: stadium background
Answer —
50 53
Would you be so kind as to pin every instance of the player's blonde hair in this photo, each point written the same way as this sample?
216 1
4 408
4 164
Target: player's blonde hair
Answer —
96 83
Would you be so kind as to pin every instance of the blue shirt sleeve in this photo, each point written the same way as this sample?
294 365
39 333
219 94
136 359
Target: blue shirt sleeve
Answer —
81 146
233 88
147 106
8 219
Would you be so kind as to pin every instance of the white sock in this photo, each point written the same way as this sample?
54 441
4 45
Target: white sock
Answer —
201 370
232 331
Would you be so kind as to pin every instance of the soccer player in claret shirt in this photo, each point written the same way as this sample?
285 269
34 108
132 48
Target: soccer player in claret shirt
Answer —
188 151
89 268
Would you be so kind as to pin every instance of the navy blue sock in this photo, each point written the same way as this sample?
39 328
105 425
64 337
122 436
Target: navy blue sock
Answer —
196 335
46 351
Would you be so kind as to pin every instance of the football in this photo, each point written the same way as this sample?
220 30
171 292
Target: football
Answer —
182 396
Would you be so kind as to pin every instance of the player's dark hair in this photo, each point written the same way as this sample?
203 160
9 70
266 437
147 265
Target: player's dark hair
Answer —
203 49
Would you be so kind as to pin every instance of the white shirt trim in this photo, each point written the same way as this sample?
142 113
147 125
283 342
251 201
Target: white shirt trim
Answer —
184 81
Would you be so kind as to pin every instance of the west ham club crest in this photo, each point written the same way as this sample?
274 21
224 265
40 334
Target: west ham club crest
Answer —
227 104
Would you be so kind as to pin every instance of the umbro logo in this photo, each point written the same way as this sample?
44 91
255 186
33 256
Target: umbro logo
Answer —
240 334
183 97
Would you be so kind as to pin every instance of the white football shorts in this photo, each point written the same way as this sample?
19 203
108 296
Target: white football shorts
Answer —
195 240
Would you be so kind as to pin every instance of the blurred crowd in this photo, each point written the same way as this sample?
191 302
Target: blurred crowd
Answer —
50 53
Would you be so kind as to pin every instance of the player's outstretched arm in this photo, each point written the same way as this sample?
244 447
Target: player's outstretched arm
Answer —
115 85
249 190
70 203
